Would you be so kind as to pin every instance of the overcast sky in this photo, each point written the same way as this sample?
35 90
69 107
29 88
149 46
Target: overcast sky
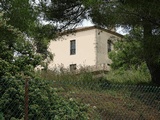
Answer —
89 23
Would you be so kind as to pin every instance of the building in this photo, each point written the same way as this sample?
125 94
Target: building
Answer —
87 47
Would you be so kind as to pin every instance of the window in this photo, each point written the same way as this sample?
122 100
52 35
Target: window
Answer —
73 67
72 47
109 45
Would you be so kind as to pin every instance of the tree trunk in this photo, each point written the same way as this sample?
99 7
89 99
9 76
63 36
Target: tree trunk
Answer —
152 53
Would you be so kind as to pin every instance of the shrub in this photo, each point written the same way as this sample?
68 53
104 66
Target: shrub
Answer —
44 102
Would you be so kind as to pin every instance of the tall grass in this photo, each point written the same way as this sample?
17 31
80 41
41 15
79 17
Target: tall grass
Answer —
119 76
66 76
132 76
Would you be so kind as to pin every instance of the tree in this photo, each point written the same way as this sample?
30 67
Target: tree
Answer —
23 45
12 42
115 13
66 13
126 13
23 38
128 52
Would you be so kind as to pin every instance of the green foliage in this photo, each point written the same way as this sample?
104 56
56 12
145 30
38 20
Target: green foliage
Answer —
130 76
12 94
144 14
19 13
24 39
128 52
123 12
129 64
67 13
18 55
1 116
44 101
54 106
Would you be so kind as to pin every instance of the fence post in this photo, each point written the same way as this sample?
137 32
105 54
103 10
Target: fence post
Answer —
26 98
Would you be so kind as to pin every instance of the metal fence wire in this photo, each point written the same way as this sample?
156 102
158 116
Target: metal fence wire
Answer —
64 100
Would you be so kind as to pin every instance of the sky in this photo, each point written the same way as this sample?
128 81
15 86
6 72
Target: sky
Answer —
86 23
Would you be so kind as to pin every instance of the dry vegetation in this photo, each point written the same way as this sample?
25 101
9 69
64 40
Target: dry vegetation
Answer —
107 100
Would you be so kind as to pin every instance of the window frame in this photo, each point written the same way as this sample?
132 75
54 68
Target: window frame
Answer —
109 46
72 47
73 67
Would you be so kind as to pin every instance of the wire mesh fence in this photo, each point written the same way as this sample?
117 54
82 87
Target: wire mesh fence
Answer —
76 100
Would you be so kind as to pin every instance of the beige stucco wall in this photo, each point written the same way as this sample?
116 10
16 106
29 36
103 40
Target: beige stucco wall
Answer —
102 38
85 50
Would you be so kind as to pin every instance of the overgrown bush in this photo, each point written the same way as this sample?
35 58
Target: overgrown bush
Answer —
12 98
44 102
